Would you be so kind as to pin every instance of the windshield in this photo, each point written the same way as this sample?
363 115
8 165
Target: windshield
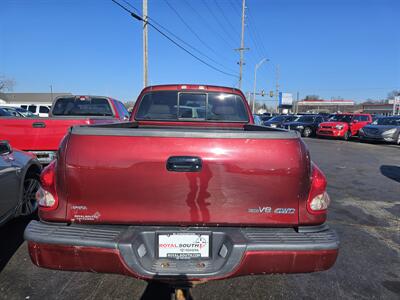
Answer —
306 119
387 121
86 107
341 118
173 105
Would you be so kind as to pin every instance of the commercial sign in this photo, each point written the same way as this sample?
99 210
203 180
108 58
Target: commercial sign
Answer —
285 99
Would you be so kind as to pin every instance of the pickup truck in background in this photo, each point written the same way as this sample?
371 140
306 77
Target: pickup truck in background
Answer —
343 125
189 190
42 136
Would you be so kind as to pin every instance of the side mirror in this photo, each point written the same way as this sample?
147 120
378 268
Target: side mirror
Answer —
5 148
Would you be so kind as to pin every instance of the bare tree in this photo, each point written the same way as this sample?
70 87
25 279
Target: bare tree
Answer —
6 84
311 97
393 94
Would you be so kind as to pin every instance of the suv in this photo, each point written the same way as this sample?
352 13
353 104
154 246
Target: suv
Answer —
344 125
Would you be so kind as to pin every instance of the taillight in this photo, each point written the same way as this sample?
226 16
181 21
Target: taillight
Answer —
46 196
318 199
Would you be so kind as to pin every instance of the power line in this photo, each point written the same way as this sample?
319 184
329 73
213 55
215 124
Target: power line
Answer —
257 36
178 38
195 34
226 18
137 17
217 19
205 21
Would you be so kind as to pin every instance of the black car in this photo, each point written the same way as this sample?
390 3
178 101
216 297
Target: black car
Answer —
19 182
277 121
307 125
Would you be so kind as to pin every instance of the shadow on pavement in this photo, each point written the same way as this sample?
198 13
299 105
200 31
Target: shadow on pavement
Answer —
392 172
160 291
11 237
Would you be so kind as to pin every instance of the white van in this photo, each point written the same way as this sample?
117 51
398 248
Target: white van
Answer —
41 110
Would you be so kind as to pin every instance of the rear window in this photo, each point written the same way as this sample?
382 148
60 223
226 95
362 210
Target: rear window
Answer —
176 106
77 107
44 110
32 108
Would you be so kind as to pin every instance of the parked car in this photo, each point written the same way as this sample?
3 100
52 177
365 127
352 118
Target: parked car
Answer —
12 111
43 135
386 129
18 112
4 113
39 110
307 125
178 199
19 182
277 121
257 120
344 125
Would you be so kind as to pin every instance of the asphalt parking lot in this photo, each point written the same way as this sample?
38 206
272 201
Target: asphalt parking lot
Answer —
364 184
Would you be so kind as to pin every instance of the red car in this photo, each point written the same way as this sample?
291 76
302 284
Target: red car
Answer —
42 136
190 190
344 125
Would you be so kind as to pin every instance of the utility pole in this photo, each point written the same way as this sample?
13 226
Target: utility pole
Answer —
51 92
145 45
242 48
277 87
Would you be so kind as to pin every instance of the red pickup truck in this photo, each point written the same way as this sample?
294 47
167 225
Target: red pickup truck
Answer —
344 125
190 190
43 135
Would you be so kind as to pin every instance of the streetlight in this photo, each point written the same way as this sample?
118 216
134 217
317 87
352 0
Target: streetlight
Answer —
255 80
51 92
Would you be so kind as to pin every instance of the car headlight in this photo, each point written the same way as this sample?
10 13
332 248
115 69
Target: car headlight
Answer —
273 125
390 131
340 127
300 127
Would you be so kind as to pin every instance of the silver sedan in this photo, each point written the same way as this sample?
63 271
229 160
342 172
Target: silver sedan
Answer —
19 181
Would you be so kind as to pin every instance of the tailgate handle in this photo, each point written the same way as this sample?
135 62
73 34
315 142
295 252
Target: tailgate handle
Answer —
38 125
184 164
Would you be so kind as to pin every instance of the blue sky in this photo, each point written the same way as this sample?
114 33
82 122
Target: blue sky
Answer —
332 48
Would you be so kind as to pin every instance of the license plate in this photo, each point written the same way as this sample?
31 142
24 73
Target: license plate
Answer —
184 245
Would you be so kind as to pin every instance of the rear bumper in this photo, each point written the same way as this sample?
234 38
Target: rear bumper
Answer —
131 250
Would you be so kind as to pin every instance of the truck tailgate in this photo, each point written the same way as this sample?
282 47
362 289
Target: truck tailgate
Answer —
120 176
36 133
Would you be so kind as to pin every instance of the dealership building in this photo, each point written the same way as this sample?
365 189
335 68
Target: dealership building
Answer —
328 106
29 98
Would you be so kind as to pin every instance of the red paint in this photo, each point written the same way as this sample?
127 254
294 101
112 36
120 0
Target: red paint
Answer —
102 260
351 126
22 135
